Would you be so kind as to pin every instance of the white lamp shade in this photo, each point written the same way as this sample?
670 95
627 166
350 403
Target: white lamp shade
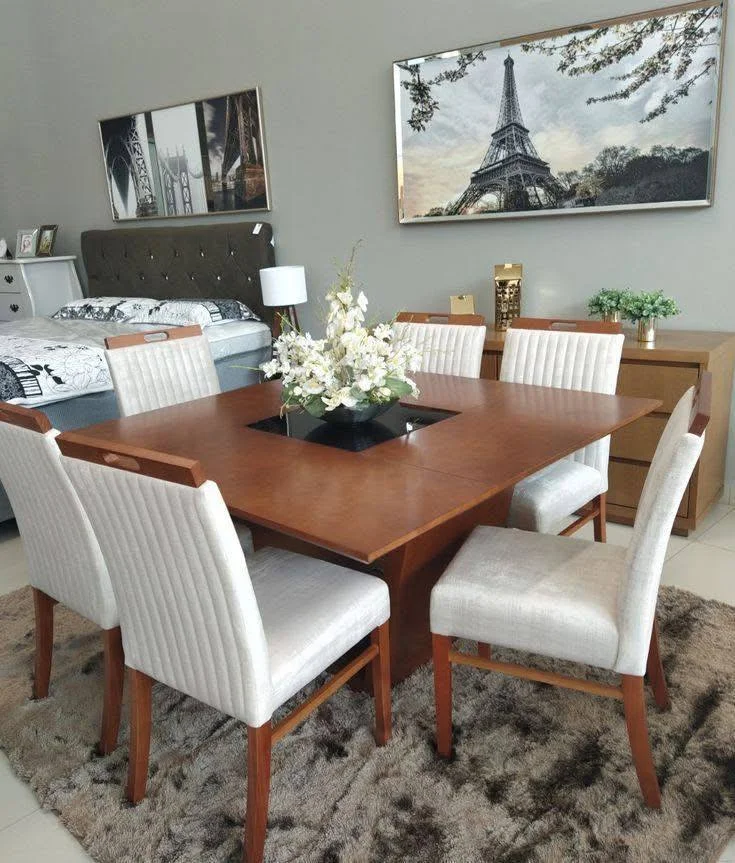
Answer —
283 286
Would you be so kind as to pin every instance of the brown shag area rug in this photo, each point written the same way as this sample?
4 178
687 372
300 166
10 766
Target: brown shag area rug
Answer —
540 774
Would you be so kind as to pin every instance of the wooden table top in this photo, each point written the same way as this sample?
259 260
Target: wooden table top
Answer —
365 504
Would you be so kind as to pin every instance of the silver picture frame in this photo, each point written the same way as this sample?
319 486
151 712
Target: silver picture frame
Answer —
186 159
443 176
26 243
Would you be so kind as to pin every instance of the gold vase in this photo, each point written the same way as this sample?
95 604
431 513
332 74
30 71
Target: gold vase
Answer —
647 330
611 317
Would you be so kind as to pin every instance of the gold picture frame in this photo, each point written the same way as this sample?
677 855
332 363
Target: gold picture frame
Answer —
46 240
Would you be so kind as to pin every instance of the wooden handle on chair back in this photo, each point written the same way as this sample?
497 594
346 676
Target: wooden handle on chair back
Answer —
184 471
567 326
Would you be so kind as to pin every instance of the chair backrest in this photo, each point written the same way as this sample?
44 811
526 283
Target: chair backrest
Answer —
64 557
159 368
449 344
574 355
671 469
188 611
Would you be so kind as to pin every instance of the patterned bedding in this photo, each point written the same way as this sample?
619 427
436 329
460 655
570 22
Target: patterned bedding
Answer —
44 361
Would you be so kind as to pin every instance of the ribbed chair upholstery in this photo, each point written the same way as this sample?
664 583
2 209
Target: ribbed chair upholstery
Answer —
65 563
241 636
449 344
573 599
160 368
573 359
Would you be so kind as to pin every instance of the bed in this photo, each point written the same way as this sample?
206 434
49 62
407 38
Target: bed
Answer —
213 261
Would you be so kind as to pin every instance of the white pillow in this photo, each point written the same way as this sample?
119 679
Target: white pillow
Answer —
117 309
186 312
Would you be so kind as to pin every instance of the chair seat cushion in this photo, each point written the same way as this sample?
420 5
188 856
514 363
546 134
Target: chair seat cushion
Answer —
313 612
542 501
543 594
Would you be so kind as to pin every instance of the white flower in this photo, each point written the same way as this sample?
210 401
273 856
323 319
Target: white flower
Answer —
351 365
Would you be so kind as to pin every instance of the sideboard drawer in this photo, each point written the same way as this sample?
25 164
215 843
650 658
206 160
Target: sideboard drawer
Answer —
652 381
626 484
638 440
13 306
11 283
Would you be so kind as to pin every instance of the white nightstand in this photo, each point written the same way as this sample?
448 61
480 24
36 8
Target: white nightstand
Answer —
37 286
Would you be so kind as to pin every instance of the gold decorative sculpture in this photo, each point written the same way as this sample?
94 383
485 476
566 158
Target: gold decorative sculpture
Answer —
508 280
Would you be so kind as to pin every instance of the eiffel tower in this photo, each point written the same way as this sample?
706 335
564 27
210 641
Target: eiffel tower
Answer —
512 168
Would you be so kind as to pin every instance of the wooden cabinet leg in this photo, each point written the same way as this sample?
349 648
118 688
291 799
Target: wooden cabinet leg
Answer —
140 734
43 606
381 684
259 782
655 672
114 679
441 645
634 701
484 651
600 520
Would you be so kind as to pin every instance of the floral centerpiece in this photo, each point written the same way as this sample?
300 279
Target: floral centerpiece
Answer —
608 304
353 374
645 307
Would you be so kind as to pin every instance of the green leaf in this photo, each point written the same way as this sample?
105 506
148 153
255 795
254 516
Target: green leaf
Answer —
397 387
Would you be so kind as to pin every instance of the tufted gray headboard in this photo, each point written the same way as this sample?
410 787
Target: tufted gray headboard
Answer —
202 261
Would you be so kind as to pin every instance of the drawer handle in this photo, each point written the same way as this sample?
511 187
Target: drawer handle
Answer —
9 279
14 307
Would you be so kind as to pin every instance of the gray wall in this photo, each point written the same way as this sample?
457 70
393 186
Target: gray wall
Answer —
325 71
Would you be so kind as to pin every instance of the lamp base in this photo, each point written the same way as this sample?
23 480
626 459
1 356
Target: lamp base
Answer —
281 314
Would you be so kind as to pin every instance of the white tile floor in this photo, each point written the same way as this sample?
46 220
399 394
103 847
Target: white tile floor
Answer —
704 563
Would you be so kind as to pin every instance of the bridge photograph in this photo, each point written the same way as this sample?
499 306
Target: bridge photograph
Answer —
185 160
615 114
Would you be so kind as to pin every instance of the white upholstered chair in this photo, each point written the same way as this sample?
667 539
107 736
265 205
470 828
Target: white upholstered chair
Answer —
159 368
449 344
241 636
575 355
65 563
576 600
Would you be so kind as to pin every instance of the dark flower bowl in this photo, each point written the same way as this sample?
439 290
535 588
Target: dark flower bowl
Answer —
343 416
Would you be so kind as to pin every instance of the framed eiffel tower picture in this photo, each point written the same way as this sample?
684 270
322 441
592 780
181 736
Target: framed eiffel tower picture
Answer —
612 115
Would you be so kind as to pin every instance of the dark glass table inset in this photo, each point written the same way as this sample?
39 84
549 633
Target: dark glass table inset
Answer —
397 422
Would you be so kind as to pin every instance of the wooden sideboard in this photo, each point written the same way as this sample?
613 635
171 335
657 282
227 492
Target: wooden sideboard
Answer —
663 371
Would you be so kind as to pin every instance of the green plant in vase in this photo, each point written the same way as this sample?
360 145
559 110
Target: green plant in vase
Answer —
608 304
645 308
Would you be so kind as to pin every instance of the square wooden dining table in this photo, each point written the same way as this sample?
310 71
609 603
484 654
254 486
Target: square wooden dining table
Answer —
401 508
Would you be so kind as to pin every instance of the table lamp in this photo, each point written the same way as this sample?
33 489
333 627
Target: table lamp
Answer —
283 288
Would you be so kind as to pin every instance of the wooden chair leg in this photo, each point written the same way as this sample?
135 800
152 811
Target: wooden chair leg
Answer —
600 520
140 734
43 605
381 684
484 651
441 645
634 701
655 672
259 783
114 679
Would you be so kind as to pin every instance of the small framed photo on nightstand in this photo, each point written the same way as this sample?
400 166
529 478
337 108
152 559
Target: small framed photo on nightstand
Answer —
46 240
25 246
